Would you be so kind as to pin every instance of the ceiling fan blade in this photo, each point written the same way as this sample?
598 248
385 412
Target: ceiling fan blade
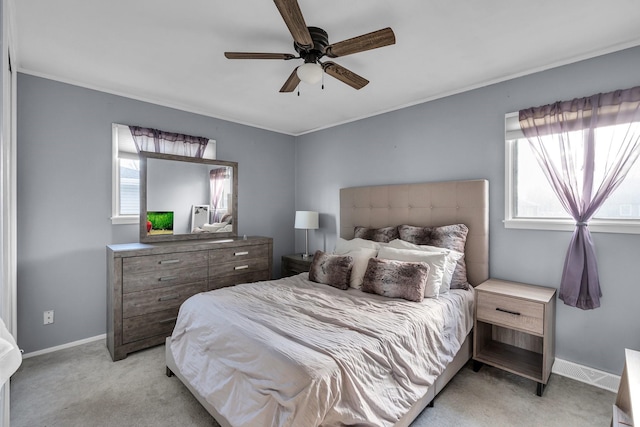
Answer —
292 82
344 75
258 55
292 15
374 40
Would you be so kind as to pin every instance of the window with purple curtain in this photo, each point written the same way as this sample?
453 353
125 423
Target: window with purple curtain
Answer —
158 141
585 148
217 179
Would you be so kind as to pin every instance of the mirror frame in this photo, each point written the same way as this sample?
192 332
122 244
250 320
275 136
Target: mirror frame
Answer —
145 238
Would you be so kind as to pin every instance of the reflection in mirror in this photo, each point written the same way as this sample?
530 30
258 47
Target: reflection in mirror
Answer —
184 198
199 217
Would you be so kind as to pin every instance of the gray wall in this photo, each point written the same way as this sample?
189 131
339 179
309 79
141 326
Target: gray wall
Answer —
462 137
64 198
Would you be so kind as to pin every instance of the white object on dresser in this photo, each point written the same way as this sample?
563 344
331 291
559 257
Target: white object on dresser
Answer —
515 329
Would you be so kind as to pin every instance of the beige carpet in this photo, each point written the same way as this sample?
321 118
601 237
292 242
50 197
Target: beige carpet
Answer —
82 387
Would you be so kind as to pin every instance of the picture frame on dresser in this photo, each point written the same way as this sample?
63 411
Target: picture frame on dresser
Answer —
199 216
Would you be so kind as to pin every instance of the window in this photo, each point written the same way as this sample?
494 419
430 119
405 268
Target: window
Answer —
531 203
126 175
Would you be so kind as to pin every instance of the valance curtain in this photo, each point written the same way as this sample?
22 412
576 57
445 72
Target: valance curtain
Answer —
158 141
565 138
217 179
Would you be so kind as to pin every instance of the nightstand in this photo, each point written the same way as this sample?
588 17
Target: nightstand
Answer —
295 264
515 329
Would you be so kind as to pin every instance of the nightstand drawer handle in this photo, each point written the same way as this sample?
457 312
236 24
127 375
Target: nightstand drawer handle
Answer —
241 253
167 278
515 313
173 319
241 267
169 297
169 261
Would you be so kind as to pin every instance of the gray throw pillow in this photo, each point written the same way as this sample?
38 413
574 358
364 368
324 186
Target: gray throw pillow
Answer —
330 269
396 279
383 235
452 237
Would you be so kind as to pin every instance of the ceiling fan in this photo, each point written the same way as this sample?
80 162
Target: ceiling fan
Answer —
312 44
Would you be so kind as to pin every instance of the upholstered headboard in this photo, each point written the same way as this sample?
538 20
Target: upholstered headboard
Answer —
428 204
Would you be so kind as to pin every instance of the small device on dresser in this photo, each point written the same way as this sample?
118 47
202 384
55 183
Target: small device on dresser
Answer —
514 329
147 283
295 264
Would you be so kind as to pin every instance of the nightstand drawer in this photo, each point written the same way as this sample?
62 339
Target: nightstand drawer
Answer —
511 312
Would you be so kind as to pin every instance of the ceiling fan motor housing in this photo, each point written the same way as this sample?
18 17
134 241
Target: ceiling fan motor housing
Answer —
320 42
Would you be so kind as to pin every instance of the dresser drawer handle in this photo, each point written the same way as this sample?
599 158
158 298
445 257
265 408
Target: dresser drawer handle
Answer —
169 297
515 313
241 267
169 261
241 253
167 278
173 319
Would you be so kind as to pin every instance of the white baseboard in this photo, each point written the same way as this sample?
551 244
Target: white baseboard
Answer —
63 346
587 375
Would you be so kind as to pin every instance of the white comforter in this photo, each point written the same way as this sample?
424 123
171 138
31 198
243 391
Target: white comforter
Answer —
296 353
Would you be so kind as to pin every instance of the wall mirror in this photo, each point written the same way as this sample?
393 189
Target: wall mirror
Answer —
187 198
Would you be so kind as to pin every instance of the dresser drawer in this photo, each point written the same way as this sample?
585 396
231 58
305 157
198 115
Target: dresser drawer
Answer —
218 256
511 312
138 303
149 325
236 279
238 267
151 263
163 277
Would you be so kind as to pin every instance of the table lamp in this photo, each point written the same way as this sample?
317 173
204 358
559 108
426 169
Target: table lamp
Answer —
306 220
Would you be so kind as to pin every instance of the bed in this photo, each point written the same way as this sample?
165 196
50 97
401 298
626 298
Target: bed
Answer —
349 357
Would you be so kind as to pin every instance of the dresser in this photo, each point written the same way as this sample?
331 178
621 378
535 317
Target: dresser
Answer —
514 329
147 283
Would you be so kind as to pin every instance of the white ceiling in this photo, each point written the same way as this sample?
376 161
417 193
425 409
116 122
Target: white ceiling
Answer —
170 52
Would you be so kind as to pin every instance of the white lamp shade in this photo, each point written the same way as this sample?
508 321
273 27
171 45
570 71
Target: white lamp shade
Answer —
309 73
307 220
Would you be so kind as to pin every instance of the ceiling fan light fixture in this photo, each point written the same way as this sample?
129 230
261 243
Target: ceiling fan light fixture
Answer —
310 73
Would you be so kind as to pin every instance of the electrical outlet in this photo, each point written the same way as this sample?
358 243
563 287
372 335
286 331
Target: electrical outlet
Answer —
48 317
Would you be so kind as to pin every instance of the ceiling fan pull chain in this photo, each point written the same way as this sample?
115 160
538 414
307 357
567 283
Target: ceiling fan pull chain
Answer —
298 89
322 79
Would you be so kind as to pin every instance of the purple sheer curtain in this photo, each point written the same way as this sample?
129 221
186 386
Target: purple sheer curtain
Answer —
565 138
217 179
158 141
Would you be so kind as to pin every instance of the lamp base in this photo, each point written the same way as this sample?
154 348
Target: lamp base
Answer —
307 256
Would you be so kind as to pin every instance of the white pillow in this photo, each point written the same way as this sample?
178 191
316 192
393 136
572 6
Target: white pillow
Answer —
450 265
360 261
435 260
343 246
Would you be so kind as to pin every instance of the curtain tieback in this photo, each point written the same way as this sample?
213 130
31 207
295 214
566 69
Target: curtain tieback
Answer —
581 224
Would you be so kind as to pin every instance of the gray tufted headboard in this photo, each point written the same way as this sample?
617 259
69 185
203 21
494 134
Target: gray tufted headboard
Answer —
424 205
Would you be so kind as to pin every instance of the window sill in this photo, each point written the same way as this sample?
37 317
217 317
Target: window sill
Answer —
125 219
595 226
